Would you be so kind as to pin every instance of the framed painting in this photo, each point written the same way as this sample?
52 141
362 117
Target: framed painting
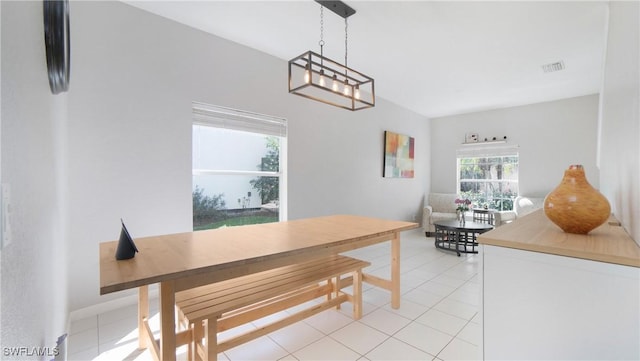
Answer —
398 155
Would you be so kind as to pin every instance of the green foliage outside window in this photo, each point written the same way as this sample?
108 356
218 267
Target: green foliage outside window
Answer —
490 182
206 207
269 187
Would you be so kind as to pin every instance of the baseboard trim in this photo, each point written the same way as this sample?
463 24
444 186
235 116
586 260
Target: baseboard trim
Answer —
107 306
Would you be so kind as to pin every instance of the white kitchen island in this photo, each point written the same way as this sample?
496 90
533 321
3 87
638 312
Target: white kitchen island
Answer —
550 295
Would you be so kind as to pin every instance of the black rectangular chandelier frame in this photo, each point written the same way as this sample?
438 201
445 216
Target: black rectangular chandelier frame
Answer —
316 77
361 88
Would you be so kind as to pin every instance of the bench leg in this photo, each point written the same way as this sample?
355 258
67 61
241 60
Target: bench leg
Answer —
197 343
211 338
336 289
191 347
357 294
184 324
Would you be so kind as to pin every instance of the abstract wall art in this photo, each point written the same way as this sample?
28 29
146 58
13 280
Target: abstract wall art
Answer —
398 155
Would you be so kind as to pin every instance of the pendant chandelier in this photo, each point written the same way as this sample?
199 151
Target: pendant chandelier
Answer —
316 77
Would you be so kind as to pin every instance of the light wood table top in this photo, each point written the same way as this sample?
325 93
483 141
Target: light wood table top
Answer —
535 232
234 249
185 260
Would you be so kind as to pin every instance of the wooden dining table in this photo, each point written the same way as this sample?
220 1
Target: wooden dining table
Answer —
186 260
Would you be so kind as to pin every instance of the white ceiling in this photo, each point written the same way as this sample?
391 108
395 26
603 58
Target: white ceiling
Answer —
435 58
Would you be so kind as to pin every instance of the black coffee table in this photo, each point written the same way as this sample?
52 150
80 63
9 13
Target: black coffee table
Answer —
461 238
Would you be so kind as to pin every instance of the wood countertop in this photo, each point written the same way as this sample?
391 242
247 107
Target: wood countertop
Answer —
535 232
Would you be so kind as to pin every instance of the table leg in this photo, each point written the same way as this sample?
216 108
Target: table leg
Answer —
167 321
143 314
458 233
395 271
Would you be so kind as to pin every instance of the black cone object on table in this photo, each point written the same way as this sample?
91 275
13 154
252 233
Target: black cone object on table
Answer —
126 248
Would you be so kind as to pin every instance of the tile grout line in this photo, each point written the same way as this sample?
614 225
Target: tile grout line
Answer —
463 327
433 307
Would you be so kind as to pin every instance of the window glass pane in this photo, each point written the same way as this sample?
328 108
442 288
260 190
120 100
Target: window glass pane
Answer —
510 171
469 187
489 181
224 149
466 171
511 159
231 200
237 169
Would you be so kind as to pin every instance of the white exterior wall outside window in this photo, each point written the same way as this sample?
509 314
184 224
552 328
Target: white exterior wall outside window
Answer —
239 167
488 176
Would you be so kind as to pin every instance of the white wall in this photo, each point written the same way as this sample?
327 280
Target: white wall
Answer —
336 162
134 76
620 122
34 278
551 136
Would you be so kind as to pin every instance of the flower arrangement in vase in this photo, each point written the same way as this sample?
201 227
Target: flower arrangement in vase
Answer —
462 205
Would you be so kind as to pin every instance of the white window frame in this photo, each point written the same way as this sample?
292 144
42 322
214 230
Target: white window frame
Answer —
480 151
228 118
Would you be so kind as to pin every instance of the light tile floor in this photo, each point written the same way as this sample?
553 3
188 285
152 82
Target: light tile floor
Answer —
437 319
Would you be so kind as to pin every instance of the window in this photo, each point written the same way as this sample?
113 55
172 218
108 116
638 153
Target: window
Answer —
238 167
489 178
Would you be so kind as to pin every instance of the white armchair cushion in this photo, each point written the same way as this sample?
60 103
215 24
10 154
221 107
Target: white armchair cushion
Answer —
438 207
443 203
441 216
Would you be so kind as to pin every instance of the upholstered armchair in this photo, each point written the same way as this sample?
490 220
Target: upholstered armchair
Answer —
521 207
438 207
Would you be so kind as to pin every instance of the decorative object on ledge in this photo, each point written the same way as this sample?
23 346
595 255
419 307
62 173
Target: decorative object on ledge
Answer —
316 77
126 248
398 155
56 42
575 206
492 140
471 138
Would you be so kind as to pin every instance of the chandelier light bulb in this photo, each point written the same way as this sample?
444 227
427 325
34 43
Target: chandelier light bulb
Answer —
307 76
357 92
347 88
335 83
322 81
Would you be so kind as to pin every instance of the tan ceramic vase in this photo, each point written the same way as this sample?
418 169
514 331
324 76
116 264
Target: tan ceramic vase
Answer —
575 206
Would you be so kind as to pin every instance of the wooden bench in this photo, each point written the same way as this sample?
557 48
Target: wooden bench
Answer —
217 307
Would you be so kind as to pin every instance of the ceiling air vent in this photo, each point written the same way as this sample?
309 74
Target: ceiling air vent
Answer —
551 67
